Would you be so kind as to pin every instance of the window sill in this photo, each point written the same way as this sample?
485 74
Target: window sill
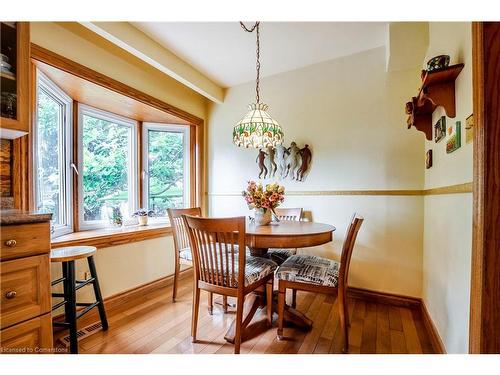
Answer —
108 237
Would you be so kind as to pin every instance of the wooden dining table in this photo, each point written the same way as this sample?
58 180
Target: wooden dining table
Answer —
259 239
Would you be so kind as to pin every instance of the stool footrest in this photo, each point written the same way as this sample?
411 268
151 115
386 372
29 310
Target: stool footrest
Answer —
58 295
57 305
60 324
89 306
55 282
81 284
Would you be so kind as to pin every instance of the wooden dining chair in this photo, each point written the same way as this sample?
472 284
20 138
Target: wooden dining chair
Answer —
219 255
280 255
183 250
315 274
285 214
292 214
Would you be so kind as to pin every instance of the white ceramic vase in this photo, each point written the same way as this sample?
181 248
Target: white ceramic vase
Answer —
143 220
262 216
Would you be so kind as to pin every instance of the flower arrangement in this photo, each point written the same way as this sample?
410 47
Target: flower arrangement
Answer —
259 197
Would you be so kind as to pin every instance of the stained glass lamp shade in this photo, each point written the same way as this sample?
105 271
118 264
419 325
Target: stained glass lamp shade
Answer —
257 129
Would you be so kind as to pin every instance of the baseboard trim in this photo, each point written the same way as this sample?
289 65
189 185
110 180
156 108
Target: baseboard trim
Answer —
436 341
385 298
116 300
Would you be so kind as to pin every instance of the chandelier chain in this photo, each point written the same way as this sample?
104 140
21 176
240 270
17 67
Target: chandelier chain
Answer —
257 65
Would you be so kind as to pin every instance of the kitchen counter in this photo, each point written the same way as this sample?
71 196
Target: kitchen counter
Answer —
11 216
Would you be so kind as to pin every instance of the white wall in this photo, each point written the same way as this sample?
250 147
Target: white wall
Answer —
448 218
351 113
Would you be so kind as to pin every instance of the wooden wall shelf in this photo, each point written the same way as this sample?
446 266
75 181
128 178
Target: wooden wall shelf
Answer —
438 89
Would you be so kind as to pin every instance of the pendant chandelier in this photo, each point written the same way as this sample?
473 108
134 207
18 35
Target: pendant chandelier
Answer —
257 129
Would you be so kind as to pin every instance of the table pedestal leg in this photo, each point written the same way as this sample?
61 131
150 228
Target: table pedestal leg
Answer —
252 303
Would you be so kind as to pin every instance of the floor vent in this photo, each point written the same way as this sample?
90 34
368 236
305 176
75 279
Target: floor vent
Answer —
83 333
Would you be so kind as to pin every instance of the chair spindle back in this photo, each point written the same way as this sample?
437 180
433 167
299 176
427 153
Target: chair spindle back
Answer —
291 214
218 247
181 236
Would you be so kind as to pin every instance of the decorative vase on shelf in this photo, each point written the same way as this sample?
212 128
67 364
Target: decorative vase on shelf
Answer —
262 216
143 220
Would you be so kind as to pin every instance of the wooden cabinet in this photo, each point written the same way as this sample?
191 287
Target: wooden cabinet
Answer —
25 300
14 75
30 337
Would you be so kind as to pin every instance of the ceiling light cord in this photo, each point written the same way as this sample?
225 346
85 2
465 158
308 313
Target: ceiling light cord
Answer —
257 65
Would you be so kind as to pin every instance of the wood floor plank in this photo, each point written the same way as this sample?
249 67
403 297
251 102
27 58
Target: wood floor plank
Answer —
337 342
369 337
319 321
153 324
395 319
383 330
292 346
328 332
356 329
398 342
410 331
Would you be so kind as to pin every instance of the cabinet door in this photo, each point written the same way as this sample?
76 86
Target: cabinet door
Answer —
14 75
31 337
25 288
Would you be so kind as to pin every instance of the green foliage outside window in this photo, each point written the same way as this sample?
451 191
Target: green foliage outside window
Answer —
48 156
166 170
105 166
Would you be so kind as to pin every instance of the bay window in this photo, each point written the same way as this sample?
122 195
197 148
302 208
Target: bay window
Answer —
92 165
166 167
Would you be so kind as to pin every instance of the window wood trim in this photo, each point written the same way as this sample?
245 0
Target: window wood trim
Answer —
60 62
101 238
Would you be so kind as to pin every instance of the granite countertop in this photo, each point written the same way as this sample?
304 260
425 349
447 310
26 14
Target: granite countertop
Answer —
11 216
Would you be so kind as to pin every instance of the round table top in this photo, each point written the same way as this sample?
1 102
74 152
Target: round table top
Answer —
286 234
66 254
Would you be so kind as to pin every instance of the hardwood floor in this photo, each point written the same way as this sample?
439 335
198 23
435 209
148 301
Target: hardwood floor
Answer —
156 325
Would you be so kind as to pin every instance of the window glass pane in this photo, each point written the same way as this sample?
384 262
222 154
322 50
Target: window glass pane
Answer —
165 171
106 169
50 172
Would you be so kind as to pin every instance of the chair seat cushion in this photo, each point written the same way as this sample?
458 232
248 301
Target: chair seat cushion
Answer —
257 268
280 255
309 269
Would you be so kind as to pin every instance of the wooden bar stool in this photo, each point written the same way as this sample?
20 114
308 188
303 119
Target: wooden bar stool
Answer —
67 256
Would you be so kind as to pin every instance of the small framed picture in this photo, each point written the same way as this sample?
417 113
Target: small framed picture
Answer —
428 159
469 129
440 129
454 135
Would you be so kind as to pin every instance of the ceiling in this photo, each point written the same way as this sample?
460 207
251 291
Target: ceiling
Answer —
223 52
